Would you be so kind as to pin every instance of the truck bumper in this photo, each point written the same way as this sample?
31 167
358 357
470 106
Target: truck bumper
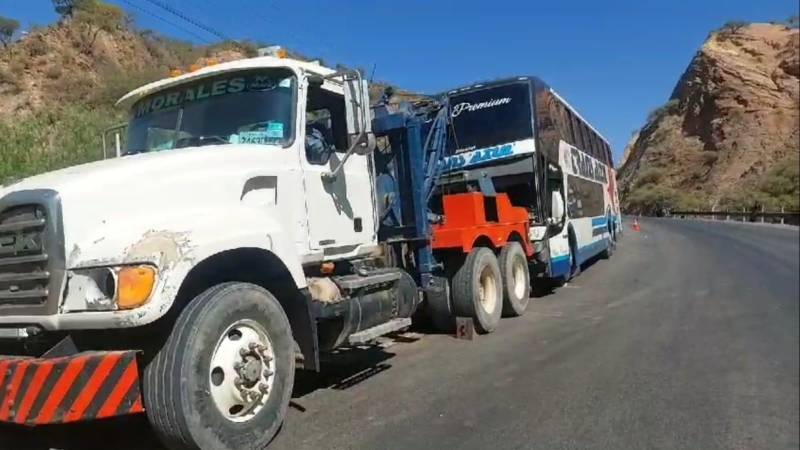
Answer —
81 387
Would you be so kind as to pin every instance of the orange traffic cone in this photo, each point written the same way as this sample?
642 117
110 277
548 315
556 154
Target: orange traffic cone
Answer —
636 226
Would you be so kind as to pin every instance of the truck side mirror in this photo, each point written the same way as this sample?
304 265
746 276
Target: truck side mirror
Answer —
315 81
358 114
557 207
113 141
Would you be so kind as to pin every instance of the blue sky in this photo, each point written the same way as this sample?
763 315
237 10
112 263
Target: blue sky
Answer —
613 60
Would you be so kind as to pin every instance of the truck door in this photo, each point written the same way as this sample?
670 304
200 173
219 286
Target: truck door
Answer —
339 210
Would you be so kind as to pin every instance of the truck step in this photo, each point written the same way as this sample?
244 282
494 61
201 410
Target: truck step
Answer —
353 282
379 330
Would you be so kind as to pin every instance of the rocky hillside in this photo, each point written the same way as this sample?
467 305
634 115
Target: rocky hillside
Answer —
58 84
730 134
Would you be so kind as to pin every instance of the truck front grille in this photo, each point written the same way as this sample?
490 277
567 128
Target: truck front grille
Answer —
24 274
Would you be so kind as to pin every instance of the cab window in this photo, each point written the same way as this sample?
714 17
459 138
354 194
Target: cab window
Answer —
326 128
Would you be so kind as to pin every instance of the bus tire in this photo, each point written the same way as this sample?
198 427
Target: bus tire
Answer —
478 290
516 279
609 250
231 339
574 265
611 244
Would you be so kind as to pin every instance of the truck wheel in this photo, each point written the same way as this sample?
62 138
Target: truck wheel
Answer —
224 377
516 279
478 290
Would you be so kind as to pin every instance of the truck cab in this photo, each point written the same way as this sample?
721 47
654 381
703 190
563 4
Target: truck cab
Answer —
232 156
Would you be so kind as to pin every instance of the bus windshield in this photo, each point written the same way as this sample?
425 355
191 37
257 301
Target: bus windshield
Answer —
246 107
490 116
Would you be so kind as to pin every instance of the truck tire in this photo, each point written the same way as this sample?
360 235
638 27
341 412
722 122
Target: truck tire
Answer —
478 290
516 279
224 377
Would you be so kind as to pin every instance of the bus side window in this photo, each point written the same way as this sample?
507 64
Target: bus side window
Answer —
587 133
573 129
566 124
596 152
592 150
586 144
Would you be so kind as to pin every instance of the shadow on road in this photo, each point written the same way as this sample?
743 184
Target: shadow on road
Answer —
129 433
544 287
341 370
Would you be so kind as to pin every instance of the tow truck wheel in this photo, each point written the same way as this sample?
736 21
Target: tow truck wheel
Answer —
224 378
478 290
516 279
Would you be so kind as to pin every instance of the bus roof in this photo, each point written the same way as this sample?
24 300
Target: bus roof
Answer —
536 82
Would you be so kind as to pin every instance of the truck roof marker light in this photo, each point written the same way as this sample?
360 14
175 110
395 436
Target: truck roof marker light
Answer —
135 284
281 53
175 72
195 67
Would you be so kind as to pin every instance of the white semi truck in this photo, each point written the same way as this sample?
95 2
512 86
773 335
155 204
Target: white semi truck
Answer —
260 213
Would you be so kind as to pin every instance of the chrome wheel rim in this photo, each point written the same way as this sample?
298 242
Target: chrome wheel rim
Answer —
242 371
518 277
487 290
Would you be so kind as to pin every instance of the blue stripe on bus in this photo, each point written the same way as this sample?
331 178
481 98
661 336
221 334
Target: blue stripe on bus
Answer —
599 222
588 251
559 265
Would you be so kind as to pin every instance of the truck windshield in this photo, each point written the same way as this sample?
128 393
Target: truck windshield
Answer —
247 107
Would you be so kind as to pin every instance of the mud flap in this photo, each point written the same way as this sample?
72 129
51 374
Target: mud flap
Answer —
77 388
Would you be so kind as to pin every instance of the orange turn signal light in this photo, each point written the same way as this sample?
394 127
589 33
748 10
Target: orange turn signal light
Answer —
134 286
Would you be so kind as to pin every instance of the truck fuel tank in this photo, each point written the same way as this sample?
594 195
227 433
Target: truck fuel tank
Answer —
366 301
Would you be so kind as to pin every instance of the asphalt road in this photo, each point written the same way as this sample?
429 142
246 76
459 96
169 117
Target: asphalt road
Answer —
686 339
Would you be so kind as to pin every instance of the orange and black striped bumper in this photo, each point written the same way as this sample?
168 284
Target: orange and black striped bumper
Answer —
86 386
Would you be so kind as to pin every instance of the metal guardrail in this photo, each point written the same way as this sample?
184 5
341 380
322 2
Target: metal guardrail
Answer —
781 217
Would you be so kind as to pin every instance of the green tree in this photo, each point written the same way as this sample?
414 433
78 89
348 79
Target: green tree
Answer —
733 26
64 8
7 29
97 16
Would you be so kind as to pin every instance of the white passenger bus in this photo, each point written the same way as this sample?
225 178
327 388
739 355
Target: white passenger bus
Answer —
535 147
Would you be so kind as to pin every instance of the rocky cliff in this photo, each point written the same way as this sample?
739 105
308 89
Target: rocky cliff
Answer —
732 121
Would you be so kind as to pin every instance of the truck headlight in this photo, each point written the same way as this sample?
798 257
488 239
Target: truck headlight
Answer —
109 288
